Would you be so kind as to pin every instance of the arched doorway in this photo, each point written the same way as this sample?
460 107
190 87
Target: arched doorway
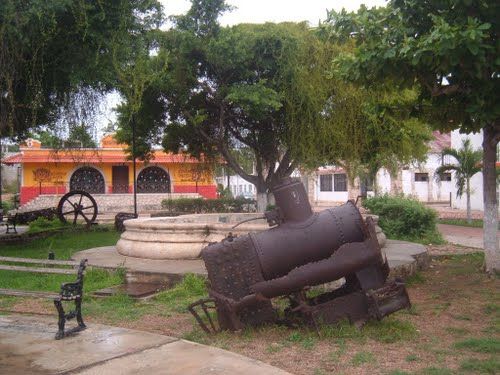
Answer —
153 180
87 179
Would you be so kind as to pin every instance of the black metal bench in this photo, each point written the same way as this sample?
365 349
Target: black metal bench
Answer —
72 291
10 222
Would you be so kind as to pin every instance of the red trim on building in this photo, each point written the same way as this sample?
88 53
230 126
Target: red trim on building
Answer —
206 191
31 192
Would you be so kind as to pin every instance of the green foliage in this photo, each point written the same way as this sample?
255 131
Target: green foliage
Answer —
181 295
468 164
362 357
6 207
435 371
390 330
79 136
224 192
95 279
482 366
62 244
451 51
115 308
476 223
480 345
52 51
42 224
415 279
200 205
404 218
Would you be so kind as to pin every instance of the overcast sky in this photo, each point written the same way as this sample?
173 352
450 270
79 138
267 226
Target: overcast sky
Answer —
259 11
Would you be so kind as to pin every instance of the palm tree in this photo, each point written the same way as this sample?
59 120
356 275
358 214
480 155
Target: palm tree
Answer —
468 164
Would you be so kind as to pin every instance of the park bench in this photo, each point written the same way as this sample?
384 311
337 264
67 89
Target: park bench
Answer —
10 222
71 291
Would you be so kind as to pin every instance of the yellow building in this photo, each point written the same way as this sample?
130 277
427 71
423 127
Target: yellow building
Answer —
107 170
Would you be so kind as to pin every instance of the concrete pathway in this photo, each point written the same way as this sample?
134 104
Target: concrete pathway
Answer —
27 346
20 229
465 236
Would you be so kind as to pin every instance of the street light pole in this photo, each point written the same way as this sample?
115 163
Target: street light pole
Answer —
134 166
1 206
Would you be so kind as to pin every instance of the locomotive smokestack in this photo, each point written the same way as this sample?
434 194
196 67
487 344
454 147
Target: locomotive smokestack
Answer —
291 198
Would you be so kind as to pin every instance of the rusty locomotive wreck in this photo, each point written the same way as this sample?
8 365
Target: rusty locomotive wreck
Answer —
301 249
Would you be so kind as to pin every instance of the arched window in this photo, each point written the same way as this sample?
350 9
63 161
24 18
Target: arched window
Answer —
153 180
87 179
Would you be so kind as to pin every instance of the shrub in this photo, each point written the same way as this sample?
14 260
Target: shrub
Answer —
6 207
200 205
42 224
404 218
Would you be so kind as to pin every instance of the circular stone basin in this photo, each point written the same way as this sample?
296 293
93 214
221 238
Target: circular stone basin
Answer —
183 237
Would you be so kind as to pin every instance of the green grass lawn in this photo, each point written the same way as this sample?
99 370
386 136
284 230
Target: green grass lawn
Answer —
476 223
62 244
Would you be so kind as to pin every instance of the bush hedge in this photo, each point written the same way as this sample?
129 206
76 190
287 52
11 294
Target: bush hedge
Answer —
405 218
200 205
43 224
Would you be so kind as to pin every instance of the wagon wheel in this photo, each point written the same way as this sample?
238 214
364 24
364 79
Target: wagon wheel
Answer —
77 203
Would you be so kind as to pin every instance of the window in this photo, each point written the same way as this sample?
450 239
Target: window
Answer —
153 180
325 182
421 177
446 177
340 182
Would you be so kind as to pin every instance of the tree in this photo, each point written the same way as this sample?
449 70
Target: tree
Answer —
50 51
468 164
80 136
232 88
264 88
450 49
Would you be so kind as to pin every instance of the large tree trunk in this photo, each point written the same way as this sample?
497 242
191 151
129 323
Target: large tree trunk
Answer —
261 201
396 182
469 215
490 222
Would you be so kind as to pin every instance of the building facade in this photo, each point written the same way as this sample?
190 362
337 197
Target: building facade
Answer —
107 170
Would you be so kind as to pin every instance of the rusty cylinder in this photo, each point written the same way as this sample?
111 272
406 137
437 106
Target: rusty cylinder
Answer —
304 236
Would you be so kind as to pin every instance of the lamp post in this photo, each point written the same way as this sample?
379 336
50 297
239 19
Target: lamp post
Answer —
1 206
134 166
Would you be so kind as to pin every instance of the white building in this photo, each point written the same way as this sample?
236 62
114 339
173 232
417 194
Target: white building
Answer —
239 187
331 184
477 180
421 181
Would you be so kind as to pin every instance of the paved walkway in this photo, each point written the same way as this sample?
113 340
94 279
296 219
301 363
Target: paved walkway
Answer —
27 346
20 229
465 236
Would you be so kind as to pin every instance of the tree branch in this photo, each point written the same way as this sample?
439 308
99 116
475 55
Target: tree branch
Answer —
234 164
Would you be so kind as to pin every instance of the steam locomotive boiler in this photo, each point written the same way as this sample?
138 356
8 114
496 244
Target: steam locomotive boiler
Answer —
301 249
